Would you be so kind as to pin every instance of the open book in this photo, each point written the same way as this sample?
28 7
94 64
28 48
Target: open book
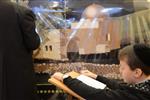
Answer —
91 82
85 79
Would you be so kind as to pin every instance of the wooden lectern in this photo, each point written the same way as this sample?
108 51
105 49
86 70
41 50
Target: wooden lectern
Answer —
62 86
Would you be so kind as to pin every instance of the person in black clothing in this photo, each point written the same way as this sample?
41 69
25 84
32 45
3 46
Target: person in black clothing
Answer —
17 41
135 71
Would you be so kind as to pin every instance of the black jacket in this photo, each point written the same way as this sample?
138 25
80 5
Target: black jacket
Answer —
114 90
17 41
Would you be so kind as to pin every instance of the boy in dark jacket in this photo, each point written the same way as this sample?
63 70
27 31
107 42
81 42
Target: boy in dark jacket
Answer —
135 71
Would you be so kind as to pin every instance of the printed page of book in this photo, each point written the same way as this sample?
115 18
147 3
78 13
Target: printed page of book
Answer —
91 82
87 80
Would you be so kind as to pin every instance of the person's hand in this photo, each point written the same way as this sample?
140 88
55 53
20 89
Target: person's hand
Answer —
58 76
88 73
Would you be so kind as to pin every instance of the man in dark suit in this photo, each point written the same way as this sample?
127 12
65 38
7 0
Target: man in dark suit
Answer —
17 41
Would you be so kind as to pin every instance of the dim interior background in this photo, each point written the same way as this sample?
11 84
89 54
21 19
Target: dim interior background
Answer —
84 34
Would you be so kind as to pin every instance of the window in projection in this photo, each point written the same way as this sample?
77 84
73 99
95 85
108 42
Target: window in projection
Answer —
88 30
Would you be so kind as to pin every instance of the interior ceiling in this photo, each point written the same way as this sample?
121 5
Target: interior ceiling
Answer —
79 5
84 3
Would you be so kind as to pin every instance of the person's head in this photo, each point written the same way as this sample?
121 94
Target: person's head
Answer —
134 63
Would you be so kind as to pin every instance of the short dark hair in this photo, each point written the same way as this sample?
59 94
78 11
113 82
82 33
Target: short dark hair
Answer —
137 57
